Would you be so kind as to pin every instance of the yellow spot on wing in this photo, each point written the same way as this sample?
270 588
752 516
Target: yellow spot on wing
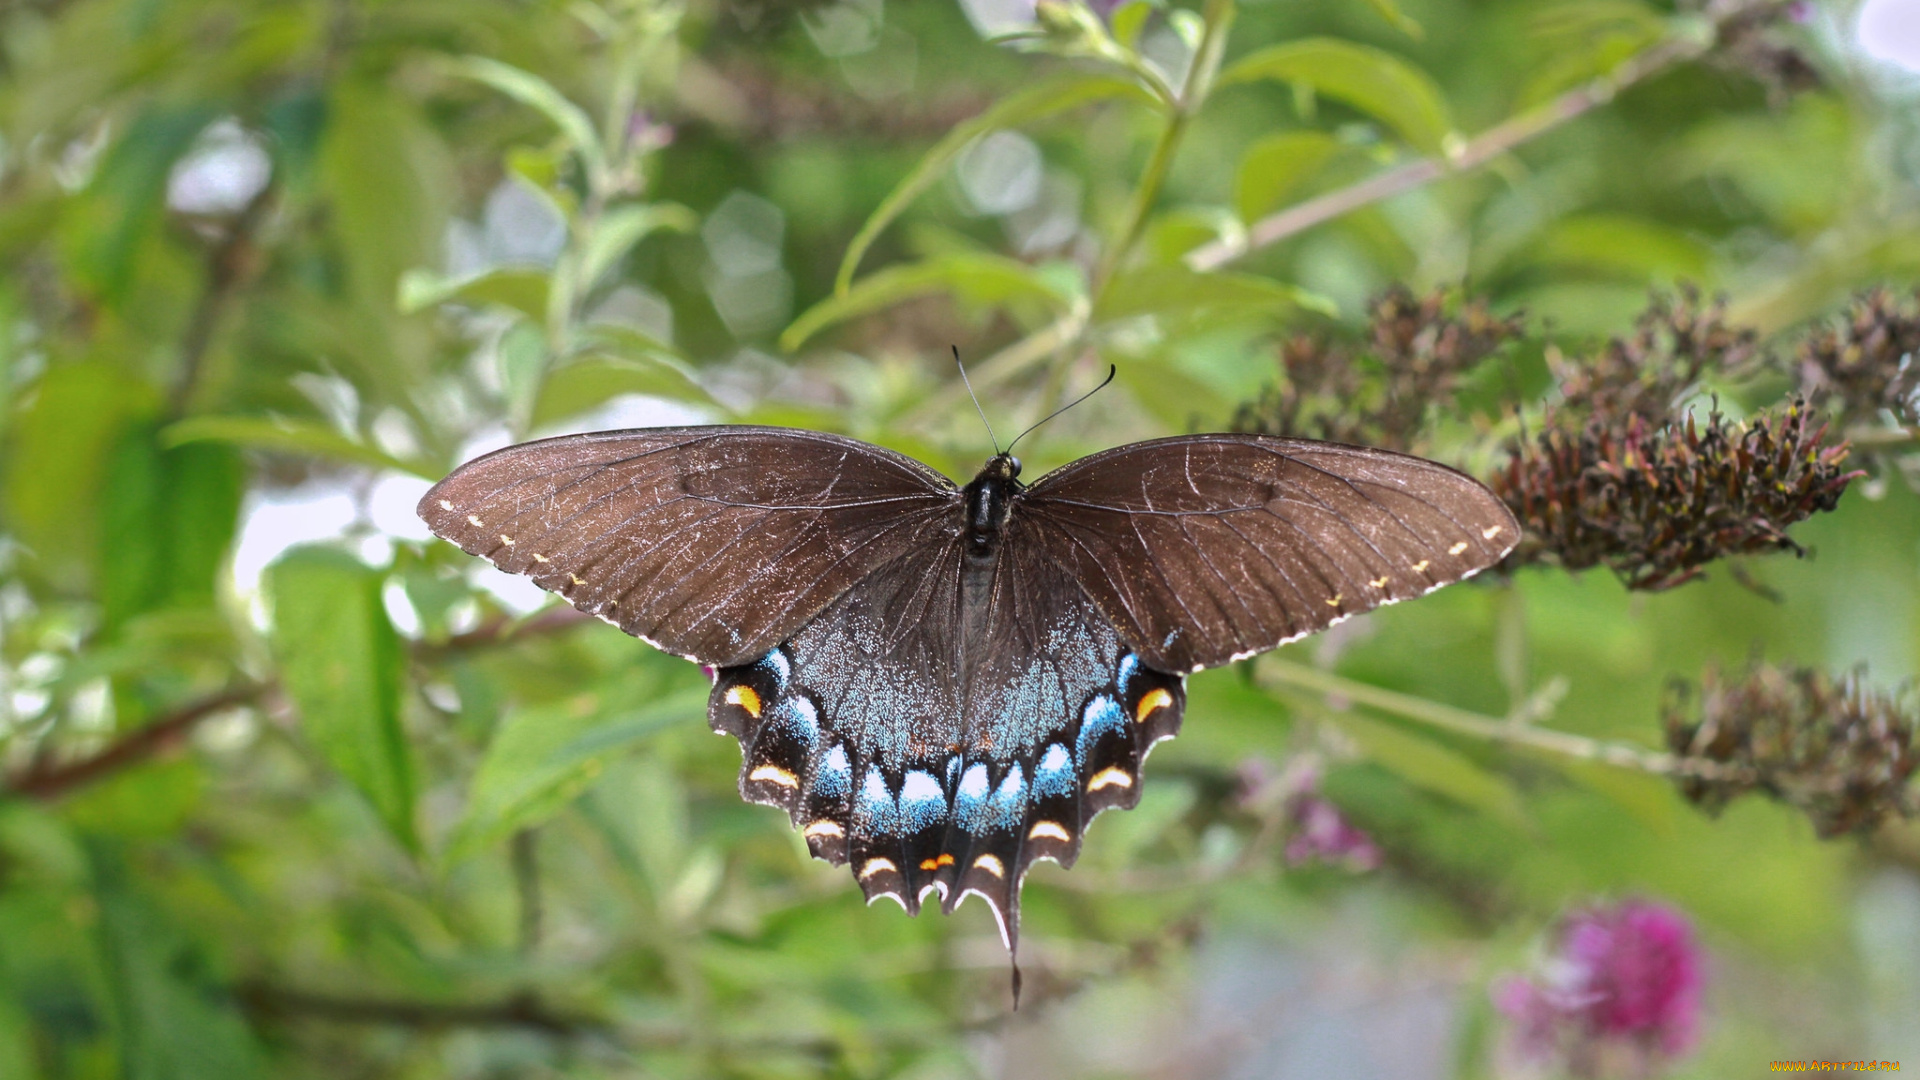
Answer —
774 773
1112 776
1335 602
1490 532
877 866
505 539
446 504
539 558
991 865
474 520
745 697
1155 698
1421 566
1378 583
823 827
1049 830
1457 548
577 579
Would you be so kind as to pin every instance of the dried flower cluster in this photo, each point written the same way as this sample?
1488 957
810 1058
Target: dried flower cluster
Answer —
1864 365
1835 748
1675 342
1384 392
1657 503
1618 994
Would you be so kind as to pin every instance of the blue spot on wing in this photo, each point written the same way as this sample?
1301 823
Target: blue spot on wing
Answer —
1008 807
777 665
835 778
970 798
873 809
1054 774
799 718
922 802
1128 664
1102 715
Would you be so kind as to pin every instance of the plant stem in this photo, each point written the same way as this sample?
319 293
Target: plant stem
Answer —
50 781
1483 148
1275 672
1193 93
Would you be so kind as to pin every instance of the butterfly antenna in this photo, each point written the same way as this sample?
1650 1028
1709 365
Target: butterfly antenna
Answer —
976 399
1111 372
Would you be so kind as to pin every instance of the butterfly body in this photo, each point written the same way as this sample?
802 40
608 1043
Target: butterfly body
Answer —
940 684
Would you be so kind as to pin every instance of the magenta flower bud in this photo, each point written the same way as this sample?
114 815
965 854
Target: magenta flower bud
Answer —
1622 986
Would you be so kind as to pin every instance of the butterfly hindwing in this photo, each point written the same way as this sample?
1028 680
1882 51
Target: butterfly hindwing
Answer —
948 786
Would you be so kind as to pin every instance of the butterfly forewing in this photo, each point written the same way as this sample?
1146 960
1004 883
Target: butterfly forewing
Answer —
1208 548
714 543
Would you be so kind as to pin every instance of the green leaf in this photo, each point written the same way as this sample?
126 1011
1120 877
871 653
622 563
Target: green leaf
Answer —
1397 19
127 201
978 279
1653 800
1172 396
1177 291
523 365
1622 246
518 288
1128 20
544 756
168 516
172 1016
288 436
1276 168
342 665
58 458
1377 83
388 188
1171 235
594 380
624 227
1037 102
533 91
1432 767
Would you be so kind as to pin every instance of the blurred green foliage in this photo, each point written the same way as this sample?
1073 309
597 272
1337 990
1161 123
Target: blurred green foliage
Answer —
366 813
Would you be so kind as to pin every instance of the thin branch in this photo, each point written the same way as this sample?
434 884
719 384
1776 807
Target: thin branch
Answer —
263 1000
504 629
1276 673
46 780
230 265
1485 147
1870 439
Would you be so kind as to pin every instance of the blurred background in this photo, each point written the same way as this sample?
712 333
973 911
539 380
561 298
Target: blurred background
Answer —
294 790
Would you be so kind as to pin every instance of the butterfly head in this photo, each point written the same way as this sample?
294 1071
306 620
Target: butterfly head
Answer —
1001 467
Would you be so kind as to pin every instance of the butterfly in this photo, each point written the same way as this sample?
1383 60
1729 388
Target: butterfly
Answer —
943 684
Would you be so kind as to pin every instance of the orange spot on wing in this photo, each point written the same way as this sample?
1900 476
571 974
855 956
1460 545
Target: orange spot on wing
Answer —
745 697
1156 698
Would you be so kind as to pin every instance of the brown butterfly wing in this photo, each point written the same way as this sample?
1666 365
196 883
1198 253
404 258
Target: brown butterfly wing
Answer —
1203 549
714 543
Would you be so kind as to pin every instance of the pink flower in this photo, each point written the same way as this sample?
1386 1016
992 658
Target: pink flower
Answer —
1618 996
1317 830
